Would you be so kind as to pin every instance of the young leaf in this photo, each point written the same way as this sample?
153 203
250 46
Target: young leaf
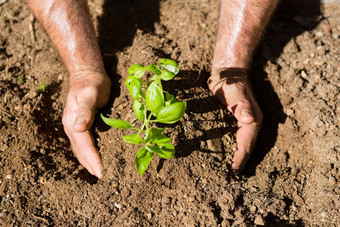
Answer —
171 113
132 69
160 139
162 153
169 65
155 69
172 101
166 146
157 131
143 159
133 139
167 75
154 97
138 108
135 87
139 72
168 96
120 124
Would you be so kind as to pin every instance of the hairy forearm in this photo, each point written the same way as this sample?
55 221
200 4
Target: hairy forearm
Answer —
69 26
240 28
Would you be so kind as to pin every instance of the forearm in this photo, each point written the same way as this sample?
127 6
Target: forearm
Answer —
240 28
70 28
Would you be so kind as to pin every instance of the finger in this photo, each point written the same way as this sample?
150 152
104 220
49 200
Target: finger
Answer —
84 115
84 148
245 139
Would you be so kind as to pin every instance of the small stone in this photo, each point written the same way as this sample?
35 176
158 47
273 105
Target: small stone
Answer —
253 209
332 180
320 50
60 77
304 74
289 112
117 205
323 214
42 151
6 120
259 220
149 215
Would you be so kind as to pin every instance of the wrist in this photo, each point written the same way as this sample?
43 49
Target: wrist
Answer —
87 71
227 75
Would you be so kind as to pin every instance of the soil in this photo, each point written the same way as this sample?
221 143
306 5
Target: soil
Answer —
291 179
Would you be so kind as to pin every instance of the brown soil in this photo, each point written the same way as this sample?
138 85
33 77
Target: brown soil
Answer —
292 178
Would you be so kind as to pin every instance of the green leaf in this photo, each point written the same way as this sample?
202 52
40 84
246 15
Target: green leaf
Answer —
132 69
167 75
133 139
139 72
143 159
157 131
161 152
168 96
172 101
151 134
166 146
138 108
154 97
171 113
154 77
134 86
42 88
161 138
155 69
120 124
170 65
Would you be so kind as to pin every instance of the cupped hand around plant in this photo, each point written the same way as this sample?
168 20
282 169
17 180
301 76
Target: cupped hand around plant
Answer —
231 87
88 91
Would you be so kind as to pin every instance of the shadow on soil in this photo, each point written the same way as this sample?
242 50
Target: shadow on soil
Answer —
288 22
117 28
291 19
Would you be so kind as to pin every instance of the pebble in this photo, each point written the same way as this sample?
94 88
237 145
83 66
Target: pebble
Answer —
117 205
304 74
60 77
259 220
42 151
6 120
253 209
332 180
289 112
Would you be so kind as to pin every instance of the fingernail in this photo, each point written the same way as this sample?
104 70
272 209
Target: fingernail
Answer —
246 113
99 174
80 121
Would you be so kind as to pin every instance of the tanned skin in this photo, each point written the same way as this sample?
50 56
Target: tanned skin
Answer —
241 25
69 26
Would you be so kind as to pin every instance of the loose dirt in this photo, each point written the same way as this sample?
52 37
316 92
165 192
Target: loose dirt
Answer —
291 179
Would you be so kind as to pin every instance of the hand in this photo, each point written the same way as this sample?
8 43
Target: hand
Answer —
231 87
88 91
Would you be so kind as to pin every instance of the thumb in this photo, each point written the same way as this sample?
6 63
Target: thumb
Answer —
84 116
243 112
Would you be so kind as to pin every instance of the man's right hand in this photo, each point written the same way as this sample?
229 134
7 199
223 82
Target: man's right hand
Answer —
88 91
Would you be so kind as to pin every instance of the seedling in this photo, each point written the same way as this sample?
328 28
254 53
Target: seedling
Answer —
151 104
41 88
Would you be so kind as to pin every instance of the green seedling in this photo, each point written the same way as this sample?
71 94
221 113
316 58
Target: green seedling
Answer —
151 104
41 88
20 80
